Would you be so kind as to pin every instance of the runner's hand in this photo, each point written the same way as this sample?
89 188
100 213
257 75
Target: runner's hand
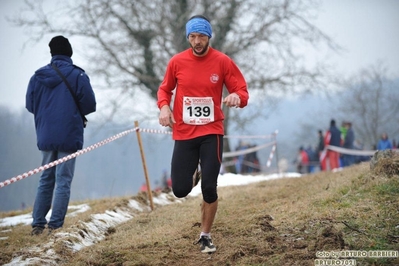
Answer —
232 100
166 118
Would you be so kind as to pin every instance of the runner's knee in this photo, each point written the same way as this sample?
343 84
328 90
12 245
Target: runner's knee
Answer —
209 195
180 192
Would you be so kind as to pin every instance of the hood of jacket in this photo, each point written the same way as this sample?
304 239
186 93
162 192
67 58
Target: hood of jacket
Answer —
49 77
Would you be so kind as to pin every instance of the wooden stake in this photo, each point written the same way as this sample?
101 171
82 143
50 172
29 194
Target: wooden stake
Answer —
147 180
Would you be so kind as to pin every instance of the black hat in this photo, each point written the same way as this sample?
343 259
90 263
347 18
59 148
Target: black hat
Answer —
59 45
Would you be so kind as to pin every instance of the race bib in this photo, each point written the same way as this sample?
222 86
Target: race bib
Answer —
198 110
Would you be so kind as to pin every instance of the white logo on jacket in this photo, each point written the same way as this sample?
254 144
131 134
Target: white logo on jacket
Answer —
214 78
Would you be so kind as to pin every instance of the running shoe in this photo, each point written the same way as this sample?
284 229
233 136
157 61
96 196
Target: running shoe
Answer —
206 244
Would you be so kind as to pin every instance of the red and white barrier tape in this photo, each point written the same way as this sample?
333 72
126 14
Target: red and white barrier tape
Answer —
92 147
80 152
269 161
155 131
246 151
273 135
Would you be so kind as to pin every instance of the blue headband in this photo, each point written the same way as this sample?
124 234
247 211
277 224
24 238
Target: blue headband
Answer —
199 25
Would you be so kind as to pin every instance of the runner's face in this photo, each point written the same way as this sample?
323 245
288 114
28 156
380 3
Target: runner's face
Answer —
199 43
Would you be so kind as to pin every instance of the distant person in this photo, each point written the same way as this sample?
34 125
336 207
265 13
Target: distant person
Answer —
321 153
239 160
143 187
59 129
252 160
302 161
332 138
197 77
348 159
313 158
344 130
384 143
169 182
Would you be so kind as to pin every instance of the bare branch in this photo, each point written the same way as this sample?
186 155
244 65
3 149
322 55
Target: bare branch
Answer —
132 41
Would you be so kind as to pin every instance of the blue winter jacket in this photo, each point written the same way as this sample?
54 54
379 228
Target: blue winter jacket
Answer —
384 144
59 125
335 136
349 139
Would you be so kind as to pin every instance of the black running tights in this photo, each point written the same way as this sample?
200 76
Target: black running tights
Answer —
186 154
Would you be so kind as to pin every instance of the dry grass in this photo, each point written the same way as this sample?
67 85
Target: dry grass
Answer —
278 222
388 166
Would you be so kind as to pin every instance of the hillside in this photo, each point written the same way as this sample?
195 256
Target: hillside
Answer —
276 222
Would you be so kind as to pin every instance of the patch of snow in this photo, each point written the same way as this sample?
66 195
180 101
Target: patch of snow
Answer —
89 233
27 218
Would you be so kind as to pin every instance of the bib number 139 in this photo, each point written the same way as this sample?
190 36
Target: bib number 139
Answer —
198 110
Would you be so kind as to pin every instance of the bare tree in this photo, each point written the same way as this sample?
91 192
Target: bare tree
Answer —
370 102
132 41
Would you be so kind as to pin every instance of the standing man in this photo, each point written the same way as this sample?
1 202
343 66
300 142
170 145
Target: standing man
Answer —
349 140
59 129
198 74
333 138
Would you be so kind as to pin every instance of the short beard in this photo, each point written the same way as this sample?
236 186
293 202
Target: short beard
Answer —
203 50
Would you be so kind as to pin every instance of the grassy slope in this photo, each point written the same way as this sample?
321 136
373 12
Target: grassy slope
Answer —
279 222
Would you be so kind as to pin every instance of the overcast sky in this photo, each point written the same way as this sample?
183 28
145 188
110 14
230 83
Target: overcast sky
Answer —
367 29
